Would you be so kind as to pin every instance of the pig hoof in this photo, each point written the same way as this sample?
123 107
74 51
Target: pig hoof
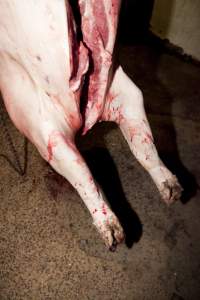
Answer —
110 231
171 190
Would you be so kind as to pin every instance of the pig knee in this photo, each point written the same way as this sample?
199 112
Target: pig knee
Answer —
47 137
131 98
133 104
124 98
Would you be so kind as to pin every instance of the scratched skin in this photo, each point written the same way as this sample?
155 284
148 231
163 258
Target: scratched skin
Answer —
42 74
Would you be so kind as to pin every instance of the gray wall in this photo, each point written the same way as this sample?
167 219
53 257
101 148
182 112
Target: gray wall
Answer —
178 21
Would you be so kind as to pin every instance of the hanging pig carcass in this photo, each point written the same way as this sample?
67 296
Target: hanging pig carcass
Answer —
44 63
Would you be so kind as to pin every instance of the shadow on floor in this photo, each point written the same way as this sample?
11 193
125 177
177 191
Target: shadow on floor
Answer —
108 178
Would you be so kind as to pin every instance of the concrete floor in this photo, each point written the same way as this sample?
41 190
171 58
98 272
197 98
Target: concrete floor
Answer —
48 247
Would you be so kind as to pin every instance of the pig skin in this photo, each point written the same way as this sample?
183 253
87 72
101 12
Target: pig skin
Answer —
43 66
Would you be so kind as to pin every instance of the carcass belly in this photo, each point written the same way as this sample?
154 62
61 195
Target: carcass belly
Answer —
45 62
39 58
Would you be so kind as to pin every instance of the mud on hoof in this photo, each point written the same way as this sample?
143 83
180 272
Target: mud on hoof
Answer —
110 231
170 190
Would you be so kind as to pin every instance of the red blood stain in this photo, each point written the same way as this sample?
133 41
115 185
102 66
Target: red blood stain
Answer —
120 116
74 120
112 113
110 97
54 138
98 106
145 141
148 139
51 144
104 209
90 179
57 184
133 132
85 130
149 136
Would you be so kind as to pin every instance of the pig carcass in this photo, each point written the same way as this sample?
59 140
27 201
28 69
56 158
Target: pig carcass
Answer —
46 60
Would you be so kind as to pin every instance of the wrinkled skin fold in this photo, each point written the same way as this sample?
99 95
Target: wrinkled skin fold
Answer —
44 63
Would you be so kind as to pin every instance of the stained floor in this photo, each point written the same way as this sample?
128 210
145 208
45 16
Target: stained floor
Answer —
49 248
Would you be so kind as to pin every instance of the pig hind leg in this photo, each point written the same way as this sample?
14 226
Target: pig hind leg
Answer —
64 157
56 145
124 105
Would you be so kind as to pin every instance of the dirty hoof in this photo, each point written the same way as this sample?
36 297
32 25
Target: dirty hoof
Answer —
171 190
110 231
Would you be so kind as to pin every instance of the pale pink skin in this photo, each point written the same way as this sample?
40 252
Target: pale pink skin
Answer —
43 101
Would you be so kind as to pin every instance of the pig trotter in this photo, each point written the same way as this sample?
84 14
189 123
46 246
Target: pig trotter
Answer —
110 231
170 190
